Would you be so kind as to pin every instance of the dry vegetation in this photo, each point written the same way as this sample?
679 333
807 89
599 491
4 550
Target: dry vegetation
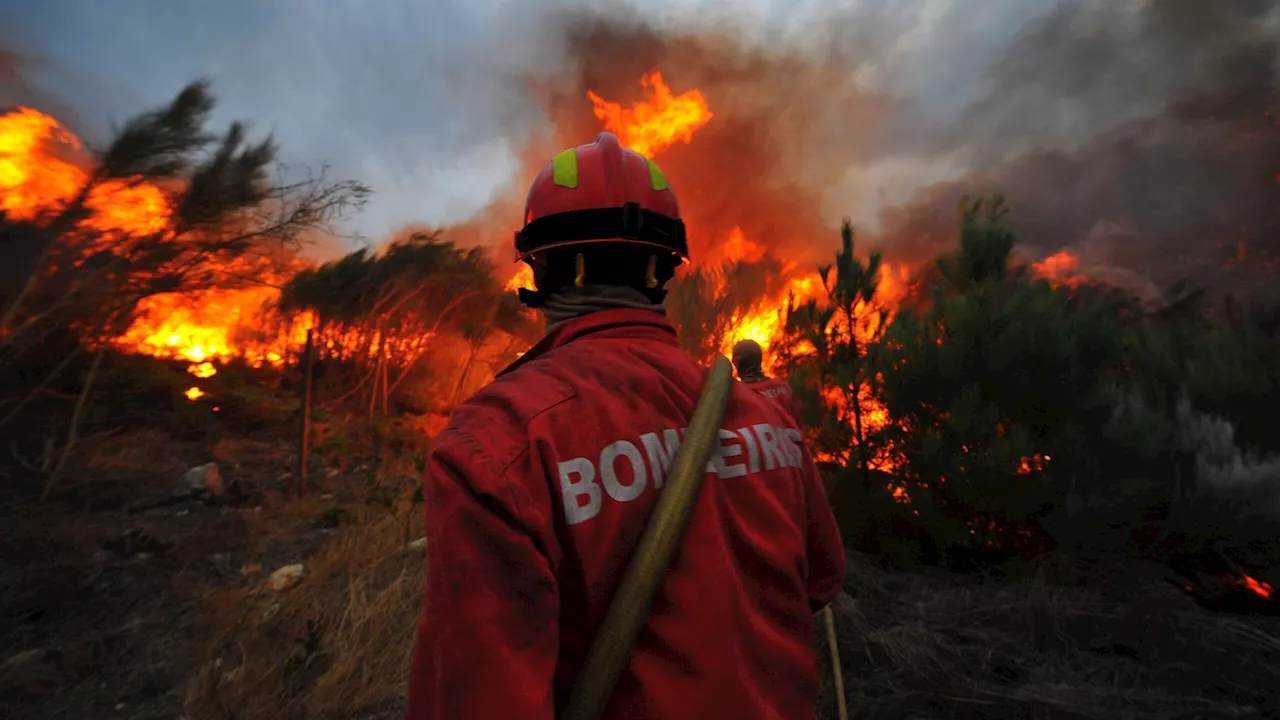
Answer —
334 646
1070 639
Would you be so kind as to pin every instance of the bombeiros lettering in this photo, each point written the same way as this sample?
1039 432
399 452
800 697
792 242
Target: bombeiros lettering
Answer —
623 470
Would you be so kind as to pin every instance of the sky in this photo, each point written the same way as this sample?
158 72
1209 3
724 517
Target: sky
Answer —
423 100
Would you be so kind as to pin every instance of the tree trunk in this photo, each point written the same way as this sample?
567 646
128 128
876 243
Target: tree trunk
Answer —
304 423
73 432
863 465
466 370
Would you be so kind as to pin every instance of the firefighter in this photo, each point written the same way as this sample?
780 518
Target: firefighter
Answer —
748 358
542 482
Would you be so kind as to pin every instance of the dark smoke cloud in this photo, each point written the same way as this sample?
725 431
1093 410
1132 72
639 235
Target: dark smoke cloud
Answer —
1188 179
16 89
788 122
1142 135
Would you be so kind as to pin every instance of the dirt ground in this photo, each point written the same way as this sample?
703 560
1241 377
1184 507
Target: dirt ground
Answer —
118 601
104 588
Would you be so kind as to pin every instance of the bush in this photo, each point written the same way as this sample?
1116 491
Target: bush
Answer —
1017 415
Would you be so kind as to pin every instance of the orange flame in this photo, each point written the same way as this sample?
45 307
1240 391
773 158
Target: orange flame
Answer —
659 121
522 279
1060 268
203 370
31 179
739 249
765 321
39 174
194 393
203 328
43 168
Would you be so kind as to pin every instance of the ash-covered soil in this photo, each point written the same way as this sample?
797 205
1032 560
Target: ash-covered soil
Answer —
1073 639
107 611
103 587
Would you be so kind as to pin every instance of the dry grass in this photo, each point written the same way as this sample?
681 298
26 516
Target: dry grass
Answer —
1067 641
1062 644
143 451
335 645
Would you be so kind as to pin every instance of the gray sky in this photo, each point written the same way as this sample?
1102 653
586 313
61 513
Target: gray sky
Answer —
424 99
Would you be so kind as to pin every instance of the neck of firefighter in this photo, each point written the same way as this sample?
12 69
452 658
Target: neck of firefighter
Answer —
750 373
573 302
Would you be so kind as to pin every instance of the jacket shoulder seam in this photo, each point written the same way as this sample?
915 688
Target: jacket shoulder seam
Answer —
479 452
524 449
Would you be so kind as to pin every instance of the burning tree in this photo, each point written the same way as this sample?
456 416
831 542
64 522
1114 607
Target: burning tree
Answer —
826 345
998 390
709 303
381 314
166 210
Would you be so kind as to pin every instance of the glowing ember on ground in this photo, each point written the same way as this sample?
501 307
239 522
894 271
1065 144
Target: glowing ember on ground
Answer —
194 393
203 370
1262 589
659 121
1035 463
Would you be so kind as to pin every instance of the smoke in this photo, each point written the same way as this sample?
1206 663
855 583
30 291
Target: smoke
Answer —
1144 136
1132 130
16 88
790 119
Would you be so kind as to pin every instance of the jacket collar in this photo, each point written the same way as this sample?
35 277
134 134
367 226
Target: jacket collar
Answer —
634 324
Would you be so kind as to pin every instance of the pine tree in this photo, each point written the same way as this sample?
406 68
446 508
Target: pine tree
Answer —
827 345
998 389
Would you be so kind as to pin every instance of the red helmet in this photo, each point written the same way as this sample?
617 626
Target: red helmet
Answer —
601 192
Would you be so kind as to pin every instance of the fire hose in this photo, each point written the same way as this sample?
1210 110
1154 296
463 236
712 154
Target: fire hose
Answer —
610 651
629 609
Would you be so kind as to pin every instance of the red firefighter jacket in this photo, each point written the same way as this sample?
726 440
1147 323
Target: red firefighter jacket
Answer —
537 492
780 392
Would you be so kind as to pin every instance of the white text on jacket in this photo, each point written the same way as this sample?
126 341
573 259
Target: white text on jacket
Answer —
741 452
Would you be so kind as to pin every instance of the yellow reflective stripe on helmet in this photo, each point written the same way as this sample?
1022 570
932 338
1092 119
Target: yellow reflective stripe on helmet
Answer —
656 178
564 168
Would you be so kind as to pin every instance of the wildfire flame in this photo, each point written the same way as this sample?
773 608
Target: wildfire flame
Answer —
43 168
1060 268
203 328
41 171
659 121
522 279
27 187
